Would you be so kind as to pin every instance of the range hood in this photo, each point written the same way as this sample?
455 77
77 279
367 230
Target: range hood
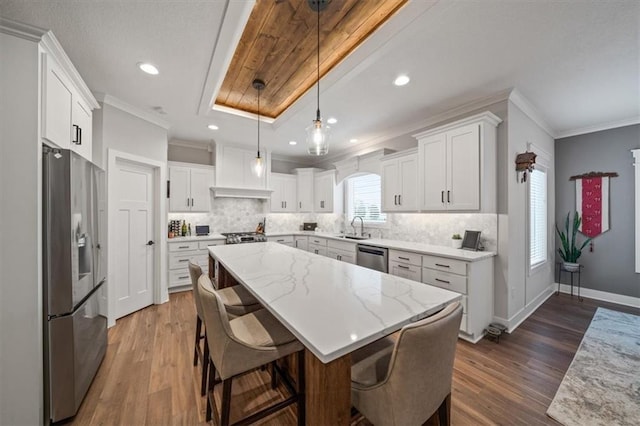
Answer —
229 192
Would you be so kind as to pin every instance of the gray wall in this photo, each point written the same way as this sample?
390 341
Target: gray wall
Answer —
611 266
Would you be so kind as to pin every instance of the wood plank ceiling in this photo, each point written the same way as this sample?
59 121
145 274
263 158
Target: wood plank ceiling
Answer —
279 46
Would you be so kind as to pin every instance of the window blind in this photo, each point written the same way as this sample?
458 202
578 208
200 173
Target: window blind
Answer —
537 218
364 198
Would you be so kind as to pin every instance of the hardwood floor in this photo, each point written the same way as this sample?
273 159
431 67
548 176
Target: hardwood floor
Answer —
148 377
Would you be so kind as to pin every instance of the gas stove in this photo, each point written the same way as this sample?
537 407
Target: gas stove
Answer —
244 237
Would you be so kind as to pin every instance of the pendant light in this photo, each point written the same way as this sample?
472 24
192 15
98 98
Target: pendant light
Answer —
317 133
257 165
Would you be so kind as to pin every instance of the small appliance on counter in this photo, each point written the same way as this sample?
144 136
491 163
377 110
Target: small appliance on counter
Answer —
202 230
309 226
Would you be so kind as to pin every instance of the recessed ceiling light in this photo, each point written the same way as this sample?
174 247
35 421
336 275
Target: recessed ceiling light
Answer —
148 68
354 140
212 127
401 80
332 120
293 143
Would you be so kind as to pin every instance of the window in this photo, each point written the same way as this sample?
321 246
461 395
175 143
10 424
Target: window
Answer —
537 217
364 199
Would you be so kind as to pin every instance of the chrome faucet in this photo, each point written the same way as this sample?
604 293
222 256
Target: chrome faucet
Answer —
361 225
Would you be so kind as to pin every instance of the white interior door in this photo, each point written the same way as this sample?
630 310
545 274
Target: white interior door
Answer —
134 260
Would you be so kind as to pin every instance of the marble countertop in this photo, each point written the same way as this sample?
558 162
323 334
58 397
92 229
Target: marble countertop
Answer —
420 248
332 307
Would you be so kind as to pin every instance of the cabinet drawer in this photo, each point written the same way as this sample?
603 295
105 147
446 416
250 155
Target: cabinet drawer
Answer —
184 246
342 245
202 245
285 239
405 257
318 241
179 277
403 270
318 249
342 255
451 282
181 260
444 264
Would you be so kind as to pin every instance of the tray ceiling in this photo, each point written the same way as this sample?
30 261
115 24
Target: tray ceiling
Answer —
279 46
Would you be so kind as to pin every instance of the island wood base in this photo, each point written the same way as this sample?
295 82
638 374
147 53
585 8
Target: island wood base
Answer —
328 390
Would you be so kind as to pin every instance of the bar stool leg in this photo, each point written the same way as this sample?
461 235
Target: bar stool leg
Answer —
197 340
205 366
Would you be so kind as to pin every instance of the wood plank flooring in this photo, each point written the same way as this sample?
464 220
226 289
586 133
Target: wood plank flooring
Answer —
148 378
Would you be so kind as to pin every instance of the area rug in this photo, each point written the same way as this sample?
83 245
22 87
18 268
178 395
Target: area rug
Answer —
602 384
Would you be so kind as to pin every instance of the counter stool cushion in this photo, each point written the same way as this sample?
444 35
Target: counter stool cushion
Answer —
238 301
260 328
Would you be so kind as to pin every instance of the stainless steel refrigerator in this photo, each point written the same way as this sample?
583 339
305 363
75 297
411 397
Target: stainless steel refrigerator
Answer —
74 276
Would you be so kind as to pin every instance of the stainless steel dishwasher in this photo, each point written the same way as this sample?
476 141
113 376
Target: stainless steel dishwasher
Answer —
372 257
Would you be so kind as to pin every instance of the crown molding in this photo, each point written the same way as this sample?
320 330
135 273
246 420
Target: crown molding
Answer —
527 107
599 127
24 31
192 144
242 113
135 111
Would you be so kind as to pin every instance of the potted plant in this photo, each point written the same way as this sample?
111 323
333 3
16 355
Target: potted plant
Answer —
456 241
569 250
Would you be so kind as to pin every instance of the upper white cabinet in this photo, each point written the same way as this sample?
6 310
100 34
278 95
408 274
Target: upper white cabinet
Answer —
457 165
66 113
283 198
400 181
233 168
189 187
326 194
305 184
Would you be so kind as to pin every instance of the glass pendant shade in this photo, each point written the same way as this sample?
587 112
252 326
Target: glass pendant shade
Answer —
318 138
257 166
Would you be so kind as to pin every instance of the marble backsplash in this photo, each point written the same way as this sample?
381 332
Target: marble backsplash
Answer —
236 214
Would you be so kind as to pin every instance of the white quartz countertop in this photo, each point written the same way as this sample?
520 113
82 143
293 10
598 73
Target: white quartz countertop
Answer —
420 248
197 238
332 307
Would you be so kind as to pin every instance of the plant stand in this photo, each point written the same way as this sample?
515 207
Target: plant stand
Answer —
560 269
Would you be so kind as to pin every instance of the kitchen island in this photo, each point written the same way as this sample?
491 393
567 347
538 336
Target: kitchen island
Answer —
332 307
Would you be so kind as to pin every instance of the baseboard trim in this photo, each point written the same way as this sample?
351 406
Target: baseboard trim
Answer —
604 296
515 321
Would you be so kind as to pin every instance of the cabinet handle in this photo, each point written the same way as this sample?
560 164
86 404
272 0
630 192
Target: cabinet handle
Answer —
183 260
442 197
280 241
285 204
183 246
339 257
400 199
448 196
395 200
403 267
443 266
192 202
300 204
183 277
442 281
77 139
403 258
316 251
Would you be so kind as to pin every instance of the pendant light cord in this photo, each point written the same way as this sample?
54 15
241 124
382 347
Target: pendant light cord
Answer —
259 122
318 98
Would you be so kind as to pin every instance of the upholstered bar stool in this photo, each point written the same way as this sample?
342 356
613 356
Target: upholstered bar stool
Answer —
406 381
238 346
237 300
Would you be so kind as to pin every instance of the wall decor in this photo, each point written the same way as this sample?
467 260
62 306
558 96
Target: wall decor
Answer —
524 163
592 201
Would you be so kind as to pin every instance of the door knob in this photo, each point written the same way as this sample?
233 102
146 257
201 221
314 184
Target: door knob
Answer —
150 243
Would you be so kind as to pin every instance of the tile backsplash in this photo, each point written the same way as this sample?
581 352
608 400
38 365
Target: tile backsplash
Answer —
237 214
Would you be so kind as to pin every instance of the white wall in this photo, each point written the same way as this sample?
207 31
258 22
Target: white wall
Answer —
21 387
123 132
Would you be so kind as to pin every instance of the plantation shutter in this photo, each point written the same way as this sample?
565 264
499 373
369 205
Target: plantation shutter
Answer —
365 198
537 218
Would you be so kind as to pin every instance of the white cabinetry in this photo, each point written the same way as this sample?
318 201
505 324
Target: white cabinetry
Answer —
180 252
189 187
405 264
286 240
327 195
301 243
317 245
283 198
474 280
400 181
304 191
66 113
233 168
457 165
344 251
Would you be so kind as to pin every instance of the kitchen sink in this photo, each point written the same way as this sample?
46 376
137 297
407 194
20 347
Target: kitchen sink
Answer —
352 237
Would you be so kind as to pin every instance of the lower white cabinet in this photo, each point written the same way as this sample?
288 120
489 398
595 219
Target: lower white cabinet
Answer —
405 264
287 240
317 245
180 252
344 251
474 280
301 242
